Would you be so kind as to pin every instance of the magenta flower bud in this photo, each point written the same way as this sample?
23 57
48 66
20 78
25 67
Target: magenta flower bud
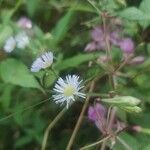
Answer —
24 23
136 128
90 47
127 45
96 112
137 60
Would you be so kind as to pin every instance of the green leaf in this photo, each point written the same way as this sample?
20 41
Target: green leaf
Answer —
75 61
129 140
121 2
23 141
147 147
133 13
62 27
15 72
84 8
50 78
6 31
32 6
145 7
6 96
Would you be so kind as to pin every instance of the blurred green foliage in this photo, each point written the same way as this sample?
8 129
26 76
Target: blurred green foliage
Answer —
63 26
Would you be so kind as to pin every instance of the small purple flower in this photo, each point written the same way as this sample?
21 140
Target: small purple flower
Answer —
98 40
97 34
24 23
127 45
115 38
97 114
96 111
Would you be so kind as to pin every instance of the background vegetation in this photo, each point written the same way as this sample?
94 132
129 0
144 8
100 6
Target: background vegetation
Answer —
63 27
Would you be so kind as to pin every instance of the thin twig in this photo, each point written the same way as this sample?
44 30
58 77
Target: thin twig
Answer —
111 119
107 42
24 109
103 145
110 116
51 125
96 143
104 139
123 63
77 126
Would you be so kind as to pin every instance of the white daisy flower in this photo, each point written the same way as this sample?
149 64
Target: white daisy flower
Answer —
22 40
9 44
67 90
42 62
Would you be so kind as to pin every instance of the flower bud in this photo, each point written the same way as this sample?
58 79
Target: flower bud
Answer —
137 60
24 23
132 109
122 101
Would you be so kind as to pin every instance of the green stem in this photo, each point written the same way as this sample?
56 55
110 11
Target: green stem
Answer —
95 143
99 12
144 130
127 147
51 125
77 126
97 94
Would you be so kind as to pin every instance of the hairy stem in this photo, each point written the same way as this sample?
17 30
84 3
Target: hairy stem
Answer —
111 113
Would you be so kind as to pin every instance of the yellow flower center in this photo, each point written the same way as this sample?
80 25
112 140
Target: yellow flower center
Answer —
69 90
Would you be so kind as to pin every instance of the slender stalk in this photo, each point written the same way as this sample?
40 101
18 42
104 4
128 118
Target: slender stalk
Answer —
103 140
111 120
111 113
108 115
77 126
145 131
103 145
24 109
96 143
123 63
127 147
108 48
99 12
51 125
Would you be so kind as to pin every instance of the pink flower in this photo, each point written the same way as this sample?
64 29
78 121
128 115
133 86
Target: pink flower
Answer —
24 23
97 114
127 45
97 34
95 111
